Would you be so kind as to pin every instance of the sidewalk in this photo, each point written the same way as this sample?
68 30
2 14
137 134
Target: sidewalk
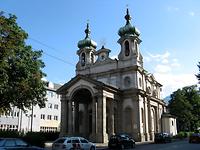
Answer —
98 145
102 145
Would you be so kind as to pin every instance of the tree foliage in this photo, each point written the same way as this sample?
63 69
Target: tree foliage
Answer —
198 75
20 68
185 104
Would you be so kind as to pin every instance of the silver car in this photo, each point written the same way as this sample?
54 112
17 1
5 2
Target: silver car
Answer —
72 143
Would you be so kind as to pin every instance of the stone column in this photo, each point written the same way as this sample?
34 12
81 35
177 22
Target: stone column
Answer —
76 117
86 120
149 118
146 119
64 117
112 121
102 136
157 118
94 118
70 119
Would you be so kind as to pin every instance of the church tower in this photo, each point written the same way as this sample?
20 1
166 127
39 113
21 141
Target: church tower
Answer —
87 48
129 41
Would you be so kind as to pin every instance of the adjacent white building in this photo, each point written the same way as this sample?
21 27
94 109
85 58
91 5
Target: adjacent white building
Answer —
45 119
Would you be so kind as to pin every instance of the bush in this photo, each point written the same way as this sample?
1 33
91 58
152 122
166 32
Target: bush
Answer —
35 138
9 134
50 136
182 134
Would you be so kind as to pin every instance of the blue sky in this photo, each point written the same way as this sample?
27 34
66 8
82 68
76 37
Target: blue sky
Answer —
169 29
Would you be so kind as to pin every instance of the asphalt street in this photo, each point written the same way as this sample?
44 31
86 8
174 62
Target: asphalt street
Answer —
176 145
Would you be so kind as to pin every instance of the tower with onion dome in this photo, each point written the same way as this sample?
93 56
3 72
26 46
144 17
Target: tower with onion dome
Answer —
130 41
87 48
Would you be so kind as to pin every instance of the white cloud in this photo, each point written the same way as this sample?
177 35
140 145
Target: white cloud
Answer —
192 13
147 59
162 69
165 61
164 66
114 56
172 82
175 64
160 57
171 8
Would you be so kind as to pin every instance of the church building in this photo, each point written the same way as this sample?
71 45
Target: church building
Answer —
109 96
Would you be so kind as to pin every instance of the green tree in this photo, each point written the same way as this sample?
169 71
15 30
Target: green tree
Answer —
185 104
20 68
192 95
198 75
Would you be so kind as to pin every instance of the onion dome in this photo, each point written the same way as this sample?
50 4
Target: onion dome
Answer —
128 29
87 42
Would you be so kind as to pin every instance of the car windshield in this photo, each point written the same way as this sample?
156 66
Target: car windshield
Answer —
21 143
1 142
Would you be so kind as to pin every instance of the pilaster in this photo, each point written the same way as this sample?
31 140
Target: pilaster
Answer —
70 118
64 117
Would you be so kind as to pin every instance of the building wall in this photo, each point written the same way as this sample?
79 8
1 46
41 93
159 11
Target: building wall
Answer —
169 125
44 119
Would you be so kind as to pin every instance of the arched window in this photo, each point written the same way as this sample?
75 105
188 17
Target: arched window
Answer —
127 49
140 82
83 59
153 120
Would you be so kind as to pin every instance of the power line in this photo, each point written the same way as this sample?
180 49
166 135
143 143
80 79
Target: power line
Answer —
57 58
41 43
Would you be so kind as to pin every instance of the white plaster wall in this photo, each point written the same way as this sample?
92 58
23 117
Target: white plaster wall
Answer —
168 127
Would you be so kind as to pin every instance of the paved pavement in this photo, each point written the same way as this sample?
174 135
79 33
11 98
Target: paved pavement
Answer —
98 145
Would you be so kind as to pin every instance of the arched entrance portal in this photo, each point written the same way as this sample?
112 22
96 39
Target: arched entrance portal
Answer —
82 112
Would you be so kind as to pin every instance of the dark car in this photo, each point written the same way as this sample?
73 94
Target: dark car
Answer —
162 138
121 141
16 144
194 138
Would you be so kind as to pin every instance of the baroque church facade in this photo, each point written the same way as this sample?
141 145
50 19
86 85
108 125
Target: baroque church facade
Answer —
109 96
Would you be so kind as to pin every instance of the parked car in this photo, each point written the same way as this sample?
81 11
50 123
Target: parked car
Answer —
162 137
121 141
71 143
194 138
16 144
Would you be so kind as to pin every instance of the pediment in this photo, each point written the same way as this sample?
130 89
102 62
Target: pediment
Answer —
82 81
77 81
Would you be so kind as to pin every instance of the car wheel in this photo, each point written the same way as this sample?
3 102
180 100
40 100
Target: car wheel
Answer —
92 148
133 146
